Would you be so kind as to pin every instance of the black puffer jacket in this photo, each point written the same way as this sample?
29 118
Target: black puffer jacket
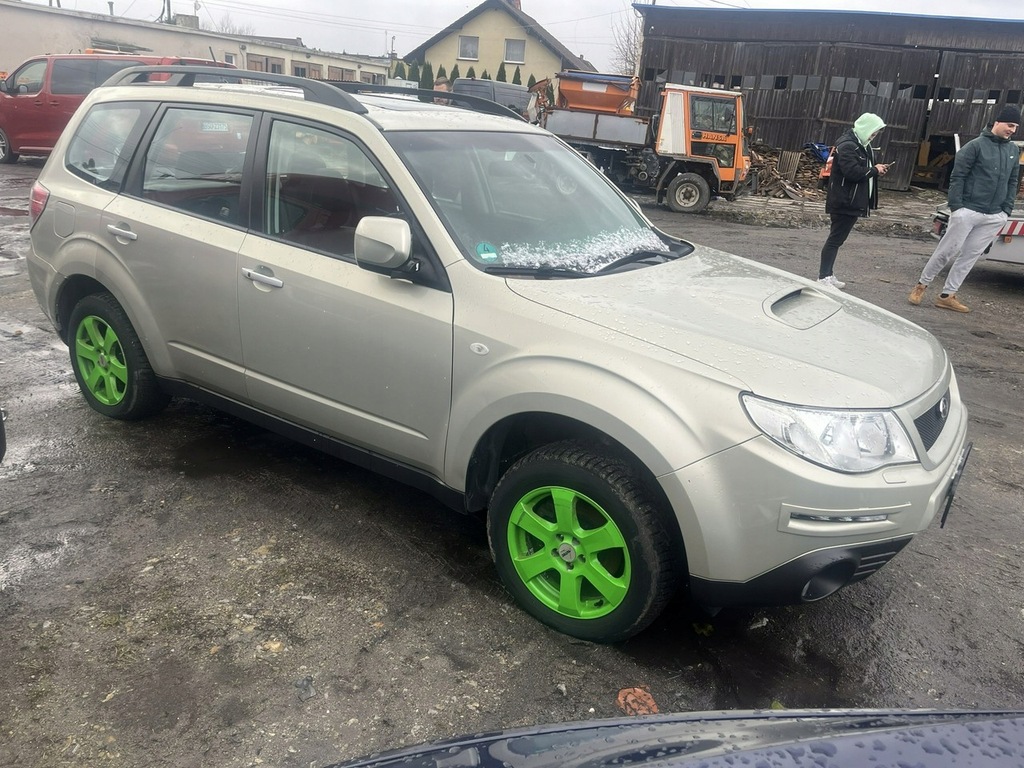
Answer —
853 183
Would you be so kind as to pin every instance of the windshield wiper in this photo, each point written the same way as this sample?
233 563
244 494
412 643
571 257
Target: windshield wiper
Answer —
543 272
641 254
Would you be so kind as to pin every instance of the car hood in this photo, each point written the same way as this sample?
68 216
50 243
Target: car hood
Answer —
781 336
783 738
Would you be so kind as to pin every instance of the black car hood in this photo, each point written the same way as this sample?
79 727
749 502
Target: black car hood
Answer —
836 738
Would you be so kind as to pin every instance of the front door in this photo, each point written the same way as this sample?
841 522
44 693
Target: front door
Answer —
341 350
25 107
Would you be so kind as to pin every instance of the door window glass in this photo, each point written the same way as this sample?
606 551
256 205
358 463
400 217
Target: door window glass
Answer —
29 79
195 161
73 76
318 186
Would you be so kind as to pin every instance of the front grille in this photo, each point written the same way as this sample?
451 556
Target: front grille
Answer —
930 423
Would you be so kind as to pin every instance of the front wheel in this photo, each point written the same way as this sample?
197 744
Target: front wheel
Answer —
110 364
580 543
7 155
688 193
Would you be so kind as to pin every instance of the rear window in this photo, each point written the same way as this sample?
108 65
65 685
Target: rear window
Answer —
103 143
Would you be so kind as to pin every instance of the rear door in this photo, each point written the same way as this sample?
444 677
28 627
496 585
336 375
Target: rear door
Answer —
178 229
70 82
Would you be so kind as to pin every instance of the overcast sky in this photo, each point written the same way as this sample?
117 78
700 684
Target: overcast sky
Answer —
585 27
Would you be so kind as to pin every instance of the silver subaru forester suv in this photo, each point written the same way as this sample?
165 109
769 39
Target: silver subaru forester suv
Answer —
460 301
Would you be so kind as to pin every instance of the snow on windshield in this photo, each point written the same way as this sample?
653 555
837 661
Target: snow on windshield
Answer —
586 255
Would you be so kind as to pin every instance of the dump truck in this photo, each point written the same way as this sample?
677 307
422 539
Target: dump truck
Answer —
694 148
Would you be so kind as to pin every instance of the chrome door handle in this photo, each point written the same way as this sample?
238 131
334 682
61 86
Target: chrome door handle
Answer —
127 234
258 277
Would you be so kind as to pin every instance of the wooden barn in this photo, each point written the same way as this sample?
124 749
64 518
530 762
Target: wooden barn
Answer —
807 75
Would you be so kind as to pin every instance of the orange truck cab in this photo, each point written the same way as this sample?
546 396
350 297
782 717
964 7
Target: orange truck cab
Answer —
693 149
38 98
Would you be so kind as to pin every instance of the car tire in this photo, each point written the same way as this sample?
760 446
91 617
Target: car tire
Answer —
110 364
688 193
6 154
580 542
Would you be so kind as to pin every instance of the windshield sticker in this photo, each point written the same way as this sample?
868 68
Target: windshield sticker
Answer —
486 252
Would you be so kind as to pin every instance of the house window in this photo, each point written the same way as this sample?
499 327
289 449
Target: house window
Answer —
469 47
298 70
342 73
229 58
515 51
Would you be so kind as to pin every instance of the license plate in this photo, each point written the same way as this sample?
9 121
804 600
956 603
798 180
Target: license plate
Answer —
951 489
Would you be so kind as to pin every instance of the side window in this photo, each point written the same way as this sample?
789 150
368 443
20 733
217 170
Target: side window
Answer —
101 147
195 161
29 79
105 68
73 76
318 186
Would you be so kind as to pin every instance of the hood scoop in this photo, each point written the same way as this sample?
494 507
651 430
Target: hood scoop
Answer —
801 308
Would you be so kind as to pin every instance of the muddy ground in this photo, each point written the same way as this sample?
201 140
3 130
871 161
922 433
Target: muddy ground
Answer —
192 591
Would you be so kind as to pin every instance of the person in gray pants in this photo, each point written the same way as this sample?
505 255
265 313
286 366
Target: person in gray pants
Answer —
982 189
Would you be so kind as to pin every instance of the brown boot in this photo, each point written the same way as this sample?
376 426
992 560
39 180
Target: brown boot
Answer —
950 301
917 294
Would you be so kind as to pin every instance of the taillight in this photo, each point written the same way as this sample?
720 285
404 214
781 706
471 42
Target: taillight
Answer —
37 201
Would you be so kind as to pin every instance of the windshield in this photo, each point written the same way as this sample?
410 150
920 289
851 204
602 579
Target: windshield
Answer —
525 201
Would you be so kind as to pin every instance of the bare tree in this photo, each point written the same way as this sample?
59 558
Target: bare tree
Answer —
628 37
228 27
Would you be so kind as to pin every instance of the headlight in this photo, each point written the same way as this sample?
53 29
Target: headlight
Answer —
847 441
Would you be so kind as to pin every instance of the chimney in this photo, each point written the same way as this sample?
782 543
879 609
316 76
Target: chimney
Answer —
516 4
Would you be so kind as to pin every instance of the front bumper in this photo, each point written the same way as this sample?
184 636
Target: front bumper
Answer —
806 579
761 526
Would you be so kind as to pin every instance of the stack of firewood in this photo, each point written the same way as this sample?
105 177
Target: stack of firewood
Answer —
799 183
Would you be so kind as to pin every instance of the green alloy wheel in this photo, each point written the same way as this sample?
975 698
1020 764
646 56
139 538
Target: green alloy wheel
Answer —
579 543
112 369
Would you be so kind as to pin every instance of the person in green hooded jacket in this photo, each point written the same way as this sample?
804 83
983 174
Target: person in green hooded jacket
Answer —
982 190
852 189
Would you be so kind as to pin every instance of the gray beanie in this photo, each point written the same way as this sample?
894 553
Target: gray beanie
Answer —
1008 114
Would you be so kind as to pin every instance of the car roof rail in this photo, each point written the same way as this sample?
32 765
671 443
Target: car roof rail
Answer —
474 103
318 91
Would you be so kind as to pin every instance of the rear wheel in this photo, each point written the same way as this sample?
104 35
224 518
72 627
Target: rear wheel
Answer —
6 154
688 193
579 542
110 364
